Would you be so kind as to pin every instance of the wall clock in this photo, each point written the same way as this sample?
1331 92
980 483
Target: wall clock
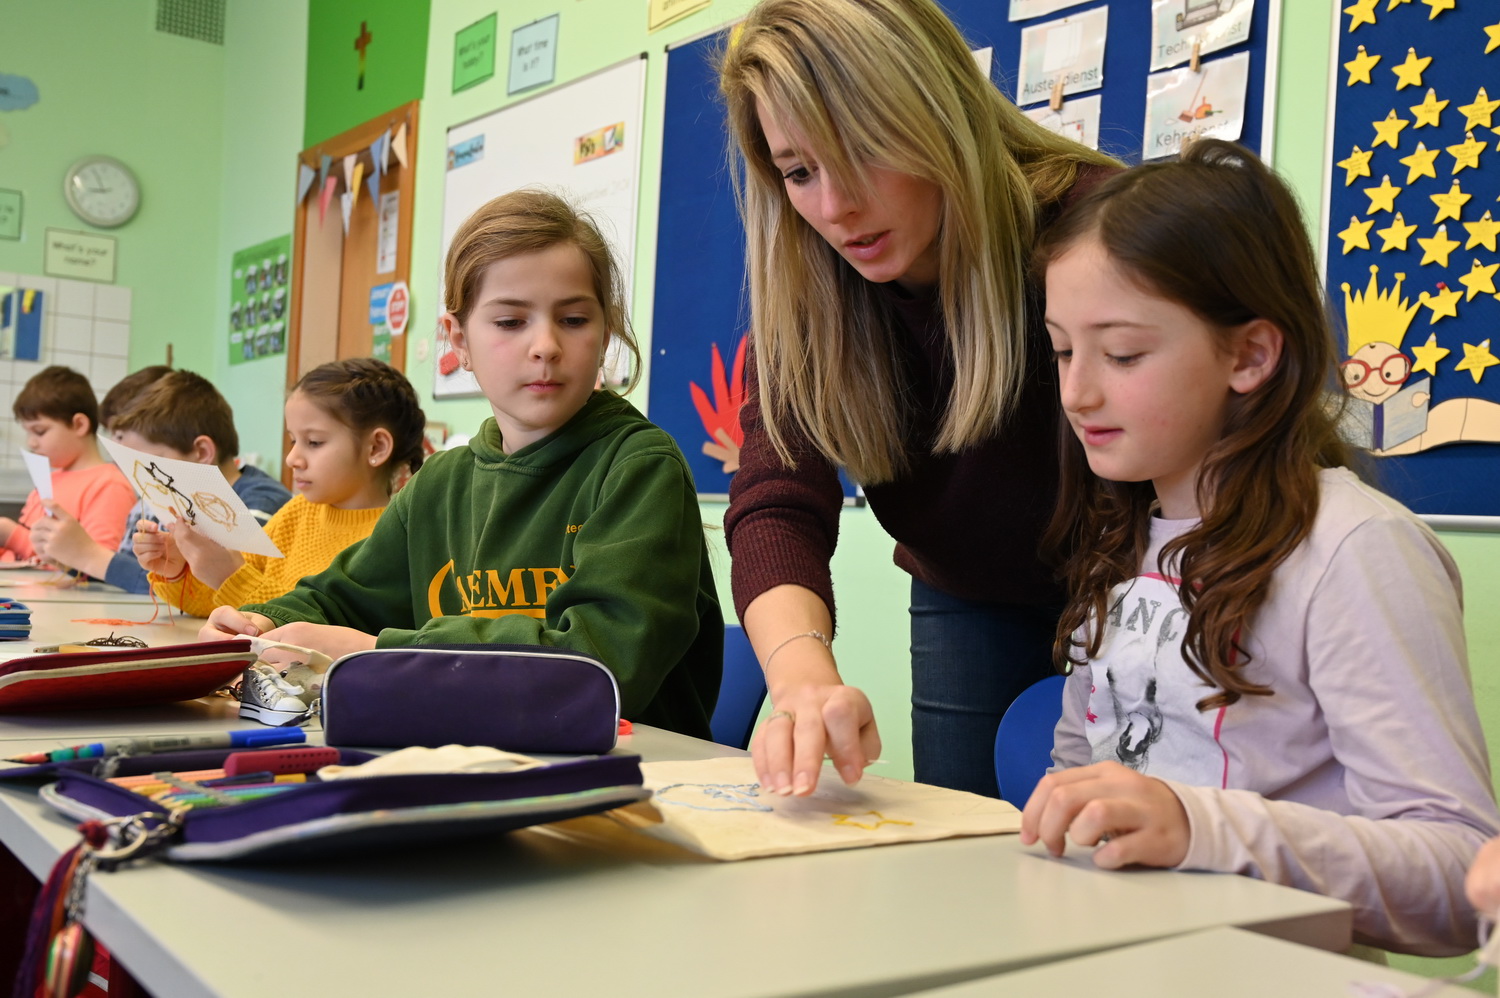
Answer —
102 191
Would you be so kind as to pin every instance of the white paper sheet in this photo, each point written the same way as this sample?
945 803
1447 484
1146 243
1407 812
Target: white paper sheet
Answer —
40 470
196 493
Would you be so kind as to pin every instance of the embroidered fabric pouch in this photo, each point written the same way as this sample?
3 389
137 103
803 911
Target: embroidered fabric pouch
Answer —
341 816
521 698
120 677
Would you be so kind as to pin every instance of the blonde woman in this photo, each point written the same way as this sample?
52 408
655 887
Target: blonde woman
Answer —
891 197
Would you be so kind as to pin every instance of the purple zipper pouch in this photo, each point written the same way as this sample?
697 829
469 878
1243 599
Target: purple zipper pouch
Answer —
521 698
341 817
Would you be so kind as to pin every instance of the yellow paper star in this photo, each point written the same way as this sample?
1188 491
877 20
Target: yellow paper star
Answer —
1443 305
1395 3
1428 111
1438 6
869 826
1437 247
1396 234
1388 131
1382 198
1363 12
1480 111
1493 30
1476 359
1358 164
1418 164
1409 73
1482 233
1428 355
1450 205
1466 153
1357 235
1480 280
1359 67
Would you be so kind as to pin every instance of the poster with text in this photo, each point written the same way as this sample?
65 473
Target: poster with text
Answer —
1182 105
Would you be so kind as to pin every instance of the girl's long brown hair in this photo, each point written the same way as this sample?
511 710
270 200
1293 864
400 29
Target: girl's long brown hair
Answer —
1218 233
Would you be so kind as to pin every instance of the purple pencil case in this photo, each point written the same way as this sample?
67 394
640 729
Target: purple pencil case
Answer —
521 698
342 817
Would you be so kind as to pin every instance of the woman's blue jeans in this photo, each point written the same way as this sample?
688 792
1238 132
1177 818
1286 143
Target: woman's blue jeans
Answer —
969 660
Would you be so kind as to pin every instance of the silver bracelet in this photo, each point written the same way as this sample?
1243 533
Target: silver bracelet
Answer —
805 634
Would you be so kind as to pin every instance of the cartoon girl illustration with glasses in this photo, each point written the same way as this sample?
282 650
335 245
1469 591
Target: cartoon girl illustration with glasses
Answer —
1388 411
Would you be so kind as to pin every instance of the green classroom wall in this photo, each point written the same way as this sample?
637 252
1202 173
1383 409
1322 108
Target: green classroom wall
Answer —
110 83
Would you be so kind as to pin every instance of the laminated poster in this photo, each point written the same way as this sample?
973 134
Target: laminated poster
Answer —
1183 105
1070 49
1214 24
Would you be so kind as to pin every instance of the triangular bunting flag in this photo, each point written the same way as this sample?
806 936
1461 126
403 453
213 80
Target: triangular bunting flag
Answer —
305 177
324 162
384 144
325 195
359 172
346 204
349 170
398 144
373 183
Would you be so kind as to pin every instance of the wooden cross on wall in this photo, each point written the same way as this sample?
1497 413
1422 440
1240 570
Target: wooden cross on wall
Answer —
361 43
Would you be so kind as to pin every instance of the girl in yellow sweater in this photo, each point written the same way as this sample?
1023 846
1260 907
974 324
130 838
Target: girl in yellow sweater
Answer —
353 424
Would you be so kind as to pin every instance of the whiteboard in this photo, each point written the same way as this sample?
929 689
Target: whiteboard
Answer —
581 140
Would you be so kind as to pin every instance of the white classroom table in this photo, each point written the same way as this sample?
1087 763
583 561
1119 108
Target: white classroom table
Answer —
1225 963
534 912
39 585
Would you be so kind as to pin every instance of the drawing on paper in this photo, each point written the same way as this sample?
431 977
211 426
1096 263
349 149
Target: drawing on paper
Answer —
713 796
216 509
161 486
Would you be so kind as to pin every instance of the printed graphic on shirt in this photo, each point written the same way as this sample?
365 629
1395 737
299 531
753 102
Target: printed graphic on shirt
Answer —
1143 705
492 592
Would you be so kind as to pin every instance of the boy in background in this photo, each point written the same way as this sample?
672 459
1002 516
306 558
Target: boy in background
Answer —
181 416
59 413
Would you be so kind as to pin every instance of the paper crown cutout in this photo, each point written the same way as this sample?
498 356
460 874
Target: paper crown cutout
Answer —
1375 316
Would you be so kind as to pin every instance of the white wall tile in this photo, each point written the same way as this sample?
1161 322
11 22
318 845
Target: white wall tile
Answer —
74 298
72 333
112 302
111 338
47 285
104 372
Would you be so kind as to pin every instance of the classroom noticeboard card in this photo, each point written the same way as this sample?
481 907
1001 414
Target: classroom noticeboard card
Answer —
533 55
1070 49
1182 105
259 295
474 54
197 494
80 255
660 13
10 214
1021 10
1076 119
1214 24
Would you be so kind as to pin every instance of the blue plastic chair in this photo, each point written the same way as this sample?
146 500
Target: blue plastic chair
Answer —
1023 742
741 692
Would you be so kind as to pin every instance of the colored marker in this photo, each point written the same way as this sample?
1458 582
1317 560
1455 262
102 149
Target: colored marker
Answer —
255 738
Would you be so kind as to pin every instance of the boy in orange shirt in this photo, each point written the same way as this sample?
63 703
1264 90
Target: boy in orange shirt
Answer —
59 412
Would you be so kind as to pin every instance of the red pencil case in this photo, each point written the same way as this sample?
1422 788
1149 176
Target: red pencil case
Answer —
120 677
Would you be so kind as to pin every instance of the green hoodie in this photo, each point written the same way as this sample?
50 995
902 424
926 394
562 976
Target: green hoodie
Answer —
589 539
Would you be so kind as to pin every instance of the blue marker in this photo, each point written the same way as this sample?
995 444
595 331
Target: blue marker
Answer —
151 744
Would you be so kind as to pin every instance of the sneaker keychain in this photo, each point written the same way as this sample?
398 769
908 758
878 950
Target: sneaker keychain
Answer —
70 948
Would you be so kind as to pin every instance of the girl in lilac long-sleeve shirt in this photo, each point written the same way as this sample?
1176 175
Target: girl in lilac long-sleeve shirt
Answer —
1268 666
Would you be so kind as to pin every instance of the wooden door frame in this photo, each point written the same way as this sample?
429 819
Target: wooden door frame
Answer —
352 142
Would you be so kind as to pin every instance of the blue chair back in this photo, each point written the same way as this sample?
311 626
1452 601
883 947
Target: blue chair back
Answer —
741 692
1023 743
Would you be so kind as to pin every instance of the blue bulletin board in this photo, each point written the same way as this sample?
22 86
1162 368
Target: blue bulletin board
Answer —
1411 245
700 315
